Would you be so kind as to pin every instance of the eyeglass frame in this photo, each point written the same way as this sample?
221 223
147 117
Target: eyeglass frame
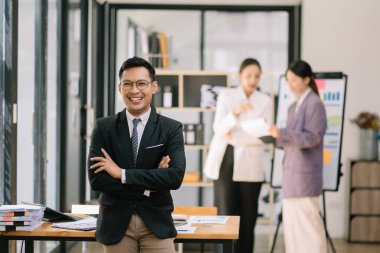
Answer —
131 87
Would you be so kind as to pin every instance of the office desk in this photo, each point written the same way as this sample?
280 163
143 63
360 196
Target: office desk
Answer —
224 234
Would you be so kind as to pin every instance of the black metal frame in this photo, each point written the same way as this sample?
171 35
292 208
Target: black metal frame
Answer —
62 99
8 99
110 41
327 75
83 99
40 101
110 35
109 58
62 48
98 38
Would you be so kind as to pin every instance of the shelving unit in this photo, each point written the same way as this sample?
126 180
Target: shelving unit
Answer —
186 94
364 217
187 100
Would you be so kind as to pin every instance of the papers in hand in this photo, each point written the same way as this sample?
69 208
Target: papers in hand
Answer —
258 128
83 224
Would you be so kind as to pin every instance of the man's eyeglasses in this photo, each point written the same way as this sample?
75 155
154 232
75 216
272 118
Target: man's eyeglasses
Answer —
141 85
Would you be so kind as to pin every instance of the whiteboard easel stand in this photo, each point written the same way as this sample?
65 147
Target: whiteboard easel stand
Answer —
324 217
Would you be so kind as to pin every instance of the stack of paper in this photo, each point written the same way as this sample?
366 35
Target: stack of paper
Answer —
20 217
179 219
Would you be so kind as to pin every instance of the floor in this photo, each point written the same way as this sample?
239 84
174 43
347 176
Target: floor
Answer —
262 246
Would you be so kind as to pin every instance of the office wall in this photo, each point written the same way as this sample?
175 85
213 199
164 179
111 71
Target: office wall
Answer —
345 36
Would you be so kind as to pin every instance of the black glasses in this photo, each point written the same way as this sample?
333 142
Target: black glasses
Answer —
141 85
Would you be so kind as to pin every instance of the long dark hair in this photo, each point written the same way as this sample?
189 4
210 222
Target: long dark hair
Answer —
303 69
249 61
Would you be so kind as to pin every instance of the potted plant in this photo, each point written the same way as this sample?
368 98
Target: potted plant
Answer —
369 124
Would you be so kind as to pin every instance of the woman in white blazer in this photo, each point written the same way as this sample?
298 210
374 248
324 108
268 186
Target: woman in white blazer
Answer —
235 158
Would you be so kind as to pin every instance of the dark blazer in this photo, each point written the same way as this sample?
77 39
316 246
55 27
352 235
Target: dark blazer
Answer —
302 141
162 136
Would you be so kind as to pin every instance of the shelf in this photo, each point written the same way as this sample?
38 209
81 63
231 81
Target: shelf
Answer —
192 177
374 188
353 215
264 221
364 216
198 184
202 147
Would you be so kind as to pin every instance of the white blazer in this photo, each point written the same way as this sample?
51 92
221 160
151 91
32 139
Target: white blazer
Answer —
248 150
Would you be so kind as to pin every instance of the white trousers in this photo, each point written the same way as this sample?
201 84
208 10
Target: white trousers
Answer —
303 226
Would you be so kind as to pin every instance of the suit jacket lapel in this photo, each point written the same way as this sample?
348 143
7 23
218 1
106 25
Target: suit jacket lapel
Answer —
148 132
123 131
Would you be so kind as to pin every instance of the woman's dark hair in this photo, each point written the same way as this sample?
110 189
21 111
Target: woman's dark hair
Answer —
247 62
303 69
137 62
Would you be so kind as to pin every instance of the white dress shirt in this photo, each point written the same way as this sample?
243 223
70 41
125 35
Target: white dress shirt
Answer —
140 130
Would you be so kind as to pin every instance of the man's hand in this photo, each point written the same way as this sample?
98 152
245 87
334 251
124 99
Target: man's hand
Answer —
164 163
106 164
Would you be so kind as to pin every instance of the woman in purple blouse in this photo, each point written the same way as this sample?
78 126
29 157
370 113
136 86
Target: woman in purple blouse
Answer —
302 141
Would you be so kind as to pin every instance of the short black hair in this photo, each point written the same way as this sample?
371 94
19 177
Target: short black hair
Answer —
247 62
137 62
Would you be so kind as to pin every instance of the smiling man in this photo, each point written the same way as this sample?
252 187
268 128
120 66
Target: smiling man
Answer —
136 157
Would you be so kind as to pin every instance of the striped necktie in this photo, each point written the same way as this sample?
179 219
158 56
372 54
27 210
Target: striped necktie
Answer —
135 139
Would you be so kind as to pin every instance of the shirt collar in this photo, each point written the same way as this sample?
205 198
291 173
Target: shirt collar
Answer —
144 117
244 97
302 97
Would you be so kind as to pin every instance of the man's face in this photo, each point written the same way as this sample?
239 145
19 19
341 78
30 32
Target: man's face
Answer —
136 89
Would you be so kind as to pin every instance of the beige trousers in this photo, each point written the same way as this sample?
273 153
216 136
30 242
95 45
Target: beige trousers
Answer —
303 226
139 239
